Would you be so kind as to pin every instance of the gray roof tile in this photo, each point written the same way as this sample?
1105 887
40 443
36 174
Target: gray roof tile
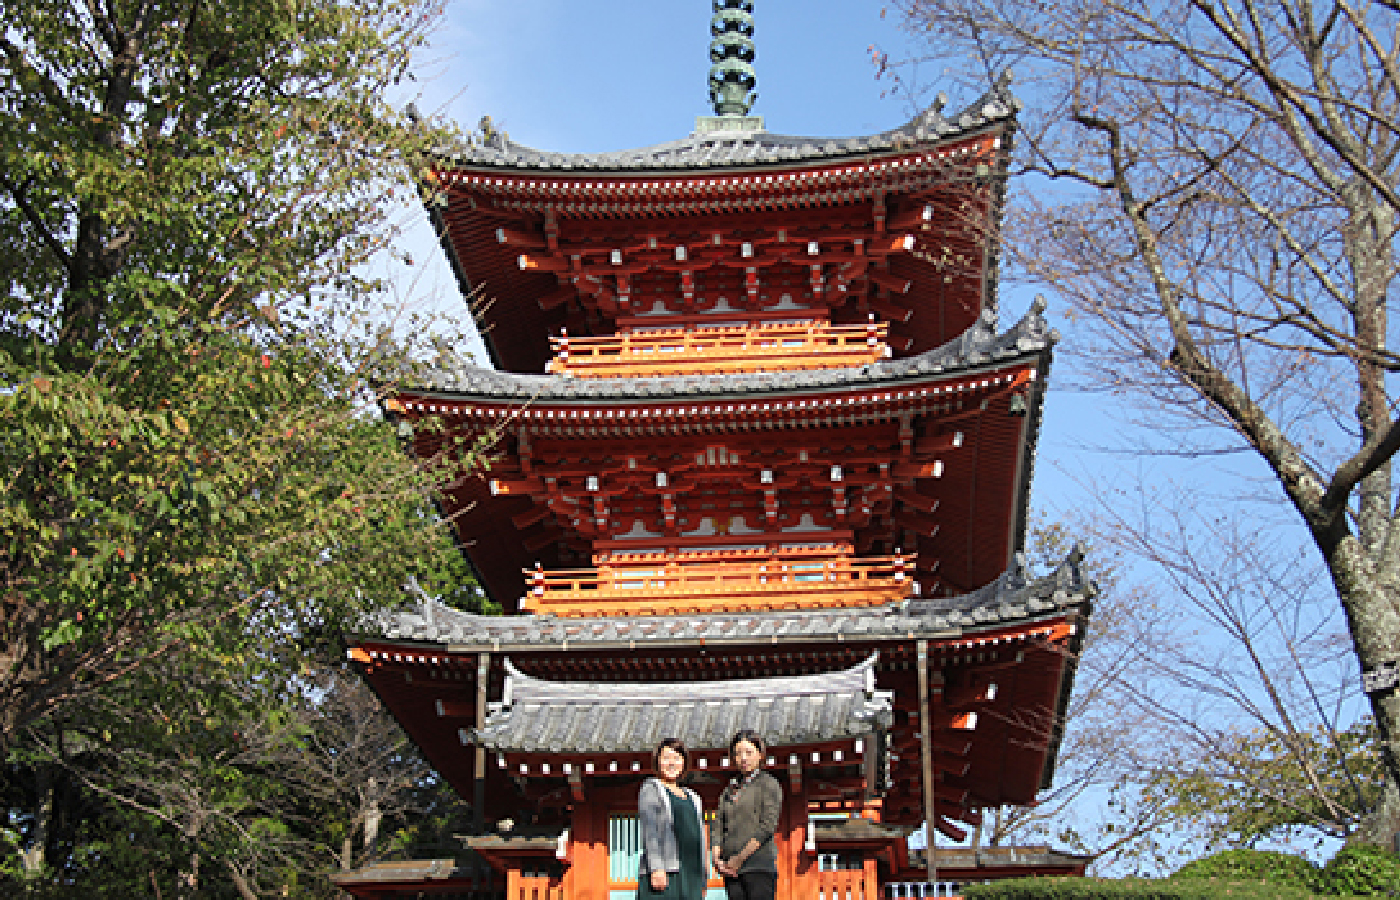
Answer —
978 345
1017 595
704 150
627 717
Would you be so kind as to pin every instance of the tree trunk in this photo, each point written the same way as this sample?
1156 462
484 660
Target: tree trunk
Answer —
188 882
347 850
245 890
1372 608
34 858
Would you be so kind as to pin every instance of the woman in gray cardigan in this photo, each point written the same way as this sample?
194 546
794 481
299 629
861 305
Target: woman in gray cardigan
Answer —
673 830
741 838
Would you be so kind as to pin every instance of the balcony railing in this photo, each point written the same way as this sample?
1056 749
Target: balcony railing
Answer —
672 585
525 887
848 884
767 348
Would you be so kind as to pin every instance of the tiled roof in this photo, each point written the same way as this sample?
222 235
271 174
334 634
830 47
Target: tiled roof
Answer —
711 149
992 858
409 871
980 345
1016 596
625 717
829 830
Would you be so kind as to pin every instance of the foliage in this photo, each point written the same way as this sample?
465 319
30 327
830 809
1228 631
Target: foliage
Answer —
213 779
186 340
1254 865
1128 889
1362 870
1247 791
200 497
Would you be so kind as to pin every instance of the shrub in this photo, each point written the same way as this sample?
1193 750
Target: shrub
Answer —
1253 865
1132 889
1362 870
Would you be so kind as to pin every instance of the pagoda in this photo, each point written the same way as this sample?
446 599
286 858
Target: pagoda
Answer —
759 457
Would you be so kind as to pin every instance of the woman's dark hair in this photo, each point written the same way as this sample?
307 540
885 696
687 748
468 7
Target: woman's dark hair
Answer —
747 734
670 744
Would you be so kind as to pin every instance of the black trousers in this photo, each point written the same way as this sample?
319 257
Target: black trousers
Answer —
751 886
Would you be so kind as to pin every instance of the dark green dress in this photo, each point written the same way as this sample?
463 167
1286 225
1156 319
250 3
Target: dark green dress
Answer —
689 883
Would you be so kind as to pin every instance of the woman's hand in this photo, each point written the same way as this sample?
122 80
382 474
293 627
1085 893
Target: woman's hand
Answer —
728 870
658 880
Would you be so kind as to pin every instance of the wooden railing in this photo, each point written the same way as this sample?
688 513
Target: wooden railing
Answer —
848 884
527 887
924 890
675 586
650 354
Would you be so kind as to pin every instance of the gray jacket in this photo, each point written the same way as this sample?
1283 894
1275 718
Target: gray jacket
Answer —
659 850
752 814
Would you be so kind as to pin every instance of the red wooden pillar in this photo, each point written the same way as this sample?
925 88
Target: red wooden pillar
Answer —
587 875
797 868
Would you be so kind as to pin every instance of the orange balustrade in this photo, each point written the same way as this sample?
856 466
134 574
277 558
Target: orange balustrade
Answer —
650 354
675 585
530 887
848 884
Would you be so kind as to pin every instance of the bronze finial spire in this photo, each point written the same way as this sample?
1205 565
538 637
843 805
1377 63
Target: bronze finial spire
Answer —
732 77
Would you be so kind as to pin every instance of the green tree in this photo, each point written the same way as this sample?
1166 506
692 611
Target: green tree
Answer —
190 356
187 194
207 776
1249 790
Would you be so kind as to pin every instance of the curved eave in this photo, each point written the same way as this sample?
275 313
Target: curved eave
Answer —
588 717
977 350
1016 599
718 150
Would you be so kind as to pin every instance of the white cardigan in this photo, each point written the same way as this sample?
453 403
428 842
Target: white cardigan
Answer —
659 850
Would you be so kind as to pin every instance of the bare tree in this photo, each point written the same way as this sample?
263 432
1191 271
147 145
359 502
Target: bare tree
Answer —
357 765
1234 665
1221 217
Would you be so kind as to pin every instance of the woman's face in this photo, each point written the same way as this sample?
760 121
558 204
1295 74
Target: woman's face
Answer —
669 764
747 757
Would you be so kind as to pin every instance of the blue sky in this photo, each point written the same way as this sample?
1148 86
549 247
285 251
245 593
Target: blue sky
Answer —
571 75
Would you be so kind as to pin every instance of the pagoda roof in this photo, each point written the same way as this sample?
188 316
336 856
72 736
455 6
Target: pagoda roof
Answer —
1017 597
735 148
621 717
976 347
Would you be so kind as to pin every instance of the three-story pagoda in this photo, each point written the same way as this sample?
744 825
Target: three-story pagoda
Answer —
761 459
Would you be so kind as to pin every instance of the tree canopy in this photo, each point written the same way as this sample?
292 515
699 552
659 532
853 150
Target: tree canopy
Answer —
191 350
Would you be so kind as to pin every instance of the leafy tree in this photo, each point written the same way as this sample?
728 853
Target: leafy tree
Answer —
187 194
1222 222
199 495
1249 790
205 776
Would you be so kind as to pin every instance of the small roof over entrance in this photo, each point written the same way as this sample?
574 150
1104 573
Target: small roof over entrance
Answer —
536 715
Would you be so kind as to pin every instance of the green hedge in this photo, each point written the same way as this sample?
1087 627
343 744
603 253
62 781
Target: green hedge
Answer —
1253 865
1361 870
1131 889
1357 871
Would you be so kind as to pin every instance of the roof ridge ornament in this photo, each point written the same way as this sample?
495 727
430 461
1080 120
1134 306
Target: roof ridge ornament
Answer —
732 52
732 78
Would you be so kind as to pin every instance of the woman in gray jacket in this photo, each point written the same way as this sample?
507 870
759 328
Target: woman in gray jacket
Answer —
673 830
741 838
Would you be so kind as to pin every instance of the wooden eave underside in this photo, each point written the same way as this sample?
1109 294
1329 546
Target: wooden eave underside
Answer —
927 469
431 689
856 214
